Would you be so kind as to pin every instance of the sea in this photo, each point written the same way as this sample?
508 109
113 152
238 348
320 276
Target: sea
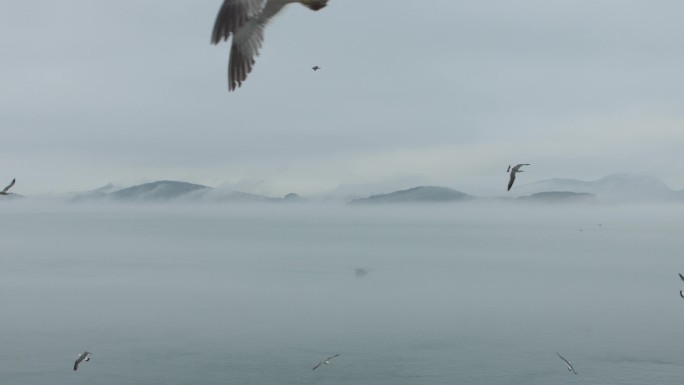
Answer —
258 294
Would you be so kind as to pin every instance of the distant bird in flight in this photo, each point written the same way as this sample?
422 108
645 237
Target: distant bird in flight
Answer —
85 356
513 171
325 362
9 186
246 20
570 368
315 68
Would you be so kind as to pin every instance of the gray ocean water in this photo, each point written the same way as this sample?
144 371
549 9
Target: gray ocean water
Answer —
454 294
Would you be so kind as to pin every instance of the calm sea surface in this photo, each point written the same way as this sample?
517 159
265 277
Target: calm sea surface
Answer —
257 295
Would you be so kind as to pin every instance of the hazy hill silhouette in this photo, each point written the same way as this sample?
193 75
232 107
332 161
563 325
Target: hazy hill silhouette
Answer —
417 195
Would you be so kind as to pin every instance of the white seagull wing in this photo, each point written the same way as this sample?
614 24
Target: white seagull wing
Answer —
517 166
232 15
242 19
331 357
511 180
245 48
247 27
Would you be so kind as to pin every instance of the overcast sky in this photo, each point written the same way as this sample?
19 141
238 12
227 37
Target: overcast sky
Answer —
442 92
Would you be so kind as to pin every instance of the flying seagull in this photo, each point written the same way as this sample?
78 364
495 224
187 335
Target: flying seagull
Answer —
513 171
325 362
85 356
9 186
246 20
315 68
680 274
570 368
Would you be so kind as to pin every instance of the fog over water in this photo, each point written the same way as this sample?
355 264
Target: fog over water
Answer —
473 293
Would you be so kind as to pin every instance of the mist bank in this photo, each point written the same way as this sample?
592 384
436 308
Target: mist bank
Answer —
616 188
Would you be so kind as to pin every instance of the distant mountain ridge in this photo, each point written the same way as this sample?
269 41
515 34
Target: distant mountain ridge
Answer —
615 187
612 188
160 190
417 195
167 191
559 196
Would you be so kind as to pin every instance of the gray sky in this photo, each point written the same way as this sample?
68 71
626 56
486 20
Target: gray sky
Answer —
439 92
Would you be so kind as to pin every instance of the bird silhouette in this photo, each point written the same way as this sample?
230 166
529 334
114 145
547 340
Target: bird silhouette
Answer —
85 356
9 186
570 368
325 362
245 21
513 171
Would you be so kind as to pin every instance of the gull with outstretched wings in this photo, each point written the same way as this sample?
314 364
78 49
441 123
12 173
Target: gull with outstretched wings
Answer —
246 20
325 362
570 368
513 170
9 186
85 356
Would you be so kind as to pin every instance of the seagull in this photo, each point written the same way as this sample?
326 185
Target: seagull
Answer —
85 356
315 68
325 362
246 20
514 170
570 368
680 274
9 186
